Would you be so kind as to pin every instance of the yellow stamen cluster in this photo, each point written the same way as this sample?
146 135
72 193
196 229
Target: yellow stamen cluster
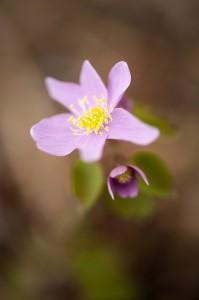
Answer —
125 177
93 119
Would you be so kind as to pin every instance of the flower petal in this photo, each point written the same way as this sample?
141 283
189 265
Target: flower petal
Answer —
54 136
118 81
112 182
91 82
129 189
110 185
66 93
133 188
118 171
139 171
127 127
92 147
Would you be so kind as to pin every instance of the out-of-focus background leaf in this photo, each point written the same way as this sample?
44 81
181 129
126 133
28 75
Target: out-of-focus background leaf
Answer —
139 208
157 173
87 180
146 115
98 272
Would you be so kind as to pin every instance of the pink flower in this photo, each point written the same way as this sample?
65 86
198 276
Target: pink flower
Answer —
93 115
123 181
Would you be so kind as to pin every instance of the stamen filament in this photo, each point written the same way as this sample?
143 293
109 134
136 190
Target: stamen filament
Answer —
92 118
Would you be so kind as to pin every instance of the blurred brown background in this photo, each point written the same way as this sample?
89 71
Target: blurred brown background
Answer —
159 40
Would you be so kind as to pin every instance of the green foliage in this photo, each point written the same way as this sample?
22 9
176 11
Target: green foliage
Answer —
140 208
99 276
157 173
144 114
87 180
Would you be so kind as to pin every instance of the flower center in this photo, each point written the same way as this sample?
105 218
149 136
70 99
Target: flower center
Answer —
125 177
93 119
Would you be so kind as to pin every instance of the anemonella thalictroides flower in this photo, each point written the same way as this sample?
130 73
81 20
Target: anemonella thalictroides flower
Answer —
123 180
93 115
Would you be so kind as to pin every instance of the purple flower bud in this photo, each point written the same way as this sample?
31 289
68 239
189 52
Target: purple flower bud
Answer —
126 103
123 181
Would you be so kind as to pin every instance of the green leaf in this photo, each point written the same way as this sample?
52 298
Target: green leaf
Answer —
87 180
147 116
99 276
142 207
157 173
